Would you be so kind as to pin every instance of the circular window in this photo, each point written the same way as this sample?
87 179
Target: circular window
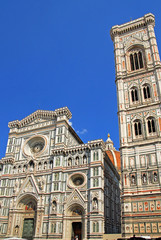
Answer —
34 145
77 180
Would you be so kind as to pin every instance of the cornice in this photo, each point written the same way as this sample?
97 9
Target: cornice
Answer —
42 114
132 25
7 160
147 141
79 148
70 150
138 74
97 143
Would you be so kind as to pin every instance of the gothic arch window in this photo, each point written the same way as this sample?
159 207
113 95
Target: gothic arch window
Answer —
136 59
151 125
53 228
95 227
137 128
146 92
95 156
134 94
58 161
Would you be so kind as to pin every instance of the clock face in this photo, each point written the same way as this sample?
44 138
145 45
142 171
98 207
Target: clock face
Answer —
34 145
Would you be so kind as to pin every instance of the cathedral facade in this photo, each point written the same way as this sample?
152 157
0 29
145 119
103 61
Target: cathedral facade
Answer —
138 81
53 186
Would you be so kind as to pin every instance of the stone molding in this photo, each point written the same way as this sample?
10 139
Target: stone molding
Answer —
79 148
8 160
43 114
132 25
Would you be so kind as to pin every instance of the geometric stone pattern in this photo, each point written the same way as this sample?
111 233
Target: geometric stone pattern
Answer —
48 175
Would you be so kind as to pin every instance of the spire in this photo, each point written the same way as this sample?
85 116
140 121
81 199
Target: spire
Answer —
109 143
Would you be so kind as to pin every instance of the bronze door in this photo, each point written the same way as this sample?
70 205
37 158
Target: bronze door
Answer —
28 228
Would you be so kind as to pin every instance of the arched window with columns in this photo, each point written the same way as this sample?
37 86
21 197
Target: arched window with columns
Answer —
134 95
151 124
137 128
136 58
146 92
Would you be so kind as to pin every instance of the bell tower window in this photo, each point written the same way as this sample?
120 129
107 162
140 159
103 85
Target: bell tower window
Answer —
136 60
146 92
151 125
137 128
134 95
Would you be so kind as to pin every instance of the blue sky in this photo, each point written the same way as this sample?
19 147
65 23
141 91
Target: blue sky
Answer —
56 53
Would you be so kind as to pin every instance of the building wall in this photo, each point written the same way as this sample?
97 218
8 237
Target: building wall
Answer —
50 176
138 76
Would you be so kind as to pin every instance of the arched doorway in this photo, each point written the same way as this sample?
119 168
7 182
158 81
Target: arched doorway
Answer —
26 218
74 224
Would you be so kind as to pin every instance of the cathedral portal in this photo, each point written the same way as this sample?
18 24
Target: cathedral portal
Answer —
23 218
75 223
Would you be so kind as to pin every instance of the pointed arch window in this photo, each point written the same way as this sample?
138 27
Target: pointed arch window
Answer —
146 92
151 125
136 59
137 128
134 94
95 227
95 156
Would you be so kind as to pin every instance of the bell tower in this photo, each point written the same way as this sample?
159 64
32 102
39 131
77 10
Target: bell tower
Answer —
138 81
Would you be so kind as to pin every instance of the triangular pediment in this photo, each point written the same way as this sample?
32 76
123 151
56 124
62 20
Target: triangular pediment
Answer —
75 198
40 116
29 186
133 41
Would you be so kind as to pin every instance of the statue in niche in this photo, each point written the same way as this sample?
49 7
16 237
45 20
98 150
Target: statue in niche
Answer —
155 177
16 229
31 166
45 165
42 182
133 179
69 162
76 161
24 168
144 178
54 206
95 204
16 187
84 160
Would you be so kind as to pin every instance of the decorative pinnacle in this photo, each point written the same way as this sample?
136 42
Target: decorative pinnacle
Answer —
108 135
